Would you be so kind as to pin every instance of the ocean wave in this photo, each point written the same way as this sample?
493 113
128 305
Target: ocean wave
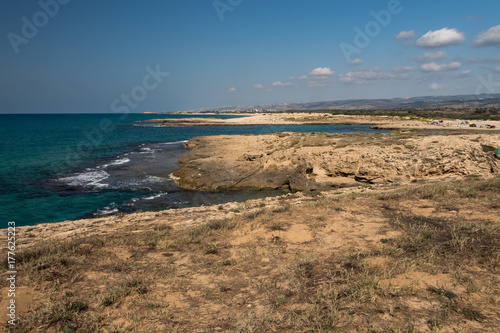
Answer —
155 179
145 150
107 211
175 142
85 179
120 161
156 196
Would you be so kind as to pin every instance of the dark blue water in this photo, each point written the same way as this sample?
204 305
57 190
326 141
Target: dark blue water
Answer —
57 167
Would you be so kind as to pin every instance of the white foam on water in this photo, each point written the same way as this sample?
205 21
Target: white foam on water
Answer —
107 211
175 142
155 179
151 197
145 150
89 178
155 196
120 161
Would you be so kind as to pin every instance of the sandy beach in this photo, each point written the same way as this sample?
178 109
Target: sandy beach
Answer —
304 118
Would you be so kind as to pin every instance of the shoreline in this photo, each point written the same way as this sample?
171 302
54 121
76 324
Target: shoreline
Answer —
304 118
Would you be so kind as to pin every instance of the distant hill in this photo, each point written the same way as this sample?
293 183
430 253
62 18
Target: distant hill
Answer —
423 102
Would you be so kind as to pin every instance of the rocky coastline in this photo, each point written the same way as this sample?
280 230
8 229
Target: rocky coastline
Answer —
322 161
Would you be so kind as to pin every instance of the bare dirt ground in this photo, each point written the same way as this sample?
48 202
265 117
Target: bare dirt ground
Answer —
418 258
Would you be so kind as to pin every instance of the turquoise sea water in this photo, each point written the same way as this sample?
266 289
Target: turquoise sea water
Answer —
57 167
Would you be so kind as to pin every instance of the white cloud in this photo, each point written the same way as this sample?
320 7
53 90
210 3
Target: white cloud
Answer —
405 35
433 67
319 77
404 69
258 86
431 56
356 62
282 84
364 76
322 71
232 89
304 77
291 78
435 86
440 38
488 38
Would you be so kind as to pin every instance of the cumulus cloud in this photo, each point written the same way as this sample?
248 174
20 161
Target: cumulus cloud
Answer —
232 89
304 77
364 76
440 38
433 67
488 38
323 71
356 62
319 77
257 86
435 86
431 56
405 35
282 84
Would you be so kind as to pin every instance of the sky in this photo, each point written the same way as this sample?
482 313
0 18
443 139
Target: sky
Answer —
94 56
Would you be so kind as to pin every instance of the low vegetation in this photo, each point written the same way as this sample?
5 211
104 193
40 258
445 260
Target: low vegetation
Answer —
424 257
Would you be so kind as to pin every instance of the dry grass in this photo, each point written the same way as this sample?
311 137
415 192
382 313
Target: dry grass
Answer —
419 258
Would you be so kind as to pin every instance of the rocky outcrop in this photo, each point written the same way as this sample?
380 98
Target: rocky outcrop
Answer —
316 161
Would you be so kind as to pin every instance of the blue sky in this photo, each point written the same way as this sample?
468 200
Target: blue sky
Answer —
100 56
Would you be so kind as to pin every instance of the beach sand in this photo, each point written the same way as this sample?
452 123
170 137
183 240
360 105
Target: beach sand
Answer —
301 118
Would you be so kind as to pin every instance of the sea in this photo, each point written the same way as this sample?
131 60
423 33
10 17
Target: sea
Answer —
57 167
